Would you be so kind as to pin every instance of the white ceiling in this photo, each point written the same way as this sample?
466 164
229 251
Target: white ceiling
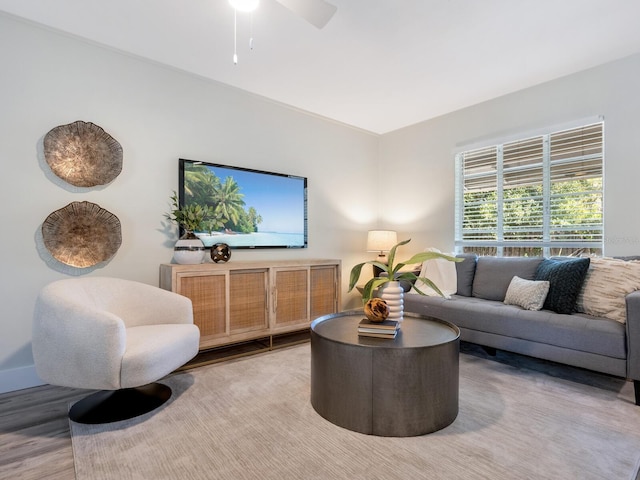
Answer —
378 65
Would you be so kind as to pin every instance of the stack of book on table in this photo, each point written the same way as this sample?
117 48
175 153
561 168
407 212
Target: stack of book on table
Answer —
384 329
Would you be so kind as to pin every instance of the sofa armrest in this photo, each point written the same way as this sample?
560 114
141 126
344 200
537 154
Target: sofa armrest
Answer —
633 335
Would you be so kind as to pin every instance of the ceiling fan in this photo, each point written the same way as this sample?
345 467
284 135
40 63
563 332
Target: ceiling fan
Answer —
316 12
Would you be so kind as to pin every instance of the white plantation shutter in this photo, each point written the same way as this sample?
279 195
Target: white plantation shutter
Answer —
540 195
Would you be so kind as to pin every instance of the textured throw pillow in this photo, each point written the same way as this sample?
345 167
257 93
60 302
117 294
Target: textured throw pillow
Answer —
607 284
565 282
528 294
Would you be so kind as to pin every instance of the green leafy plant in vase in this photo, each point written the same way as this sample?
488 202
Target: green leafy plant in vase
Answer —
394 273
189 249
190 217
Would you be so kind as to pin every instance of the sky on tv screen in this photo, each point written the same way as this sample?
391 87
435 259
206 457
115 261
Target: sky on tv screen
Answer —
278 199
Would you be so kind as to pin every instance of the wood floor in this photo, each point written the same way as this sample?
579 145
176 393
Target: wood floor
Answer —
35 440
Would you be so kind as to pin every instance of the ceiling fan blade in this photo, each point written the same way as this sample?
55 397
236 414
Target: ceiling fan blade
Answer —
316 12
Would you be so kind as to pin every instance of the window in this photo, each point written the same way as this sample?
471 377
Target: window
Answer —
537 196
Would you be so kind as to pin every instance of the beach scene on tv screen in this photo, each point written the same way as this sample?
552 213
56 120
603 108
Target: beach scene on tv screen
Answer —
251 209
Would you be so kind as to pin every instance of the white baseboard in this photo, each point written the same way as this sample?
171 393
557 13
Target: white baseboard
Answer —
19 378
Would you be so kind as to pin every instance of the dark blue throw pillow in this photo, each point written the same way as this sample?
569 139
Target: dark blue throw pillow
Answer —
565 281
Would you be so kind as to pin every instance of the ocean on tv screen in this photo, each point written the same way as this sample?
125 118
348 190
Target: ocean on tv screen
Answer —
256 239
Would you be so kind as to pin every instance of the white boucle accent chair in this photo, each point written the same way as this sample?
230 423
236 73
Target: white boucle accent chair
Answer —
114 335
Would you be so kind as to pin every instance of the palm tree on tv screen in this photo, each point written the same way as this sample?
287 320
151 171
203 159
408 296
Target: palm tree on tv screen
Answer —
228 201
254 218
203 187
200 185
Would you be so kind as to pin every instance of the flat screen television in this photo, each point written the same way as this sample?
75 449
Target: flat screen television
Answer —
253 208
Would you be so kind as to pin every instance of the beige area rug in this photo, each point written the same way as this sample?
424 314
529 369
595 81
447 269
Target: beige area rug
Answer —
252 419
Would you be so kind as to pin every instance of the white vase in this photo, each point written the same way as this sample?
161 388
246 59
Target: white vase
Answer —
393 294
189 250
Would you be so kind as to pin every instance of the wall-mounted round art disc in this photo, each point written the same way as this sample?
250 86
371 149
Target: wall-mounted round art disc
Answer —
83 154
82 234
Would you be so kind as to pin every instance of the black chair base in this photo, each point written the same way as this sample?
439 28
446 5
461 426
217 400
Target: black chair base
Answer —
115 405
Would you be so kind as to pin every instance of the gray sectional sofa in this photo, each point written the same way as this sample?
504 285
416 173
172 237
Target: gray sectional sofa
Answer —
577 339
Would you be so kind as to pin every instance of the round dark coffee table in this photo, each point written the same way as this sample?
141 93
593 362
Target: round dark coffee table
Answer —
398 387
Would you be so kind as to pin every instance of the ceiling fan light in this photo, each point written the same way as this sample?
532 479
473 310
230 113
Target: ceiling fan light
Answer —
244 5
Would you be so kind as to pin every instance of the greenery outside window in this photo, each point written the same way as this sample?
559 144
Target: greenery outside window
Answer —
536 196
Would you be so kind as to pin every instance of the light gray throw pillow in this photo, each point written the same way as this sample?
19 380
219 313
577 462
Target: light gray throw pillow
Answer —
528 294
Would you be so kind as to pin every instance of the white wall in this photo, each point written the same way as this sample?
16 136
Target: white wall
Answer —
420 158
402 180
158 115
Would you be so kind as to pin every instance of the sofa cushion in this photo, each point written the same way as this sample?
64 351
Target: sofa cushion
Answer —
565 277
465 271
607 283
528 294
580 332
493 275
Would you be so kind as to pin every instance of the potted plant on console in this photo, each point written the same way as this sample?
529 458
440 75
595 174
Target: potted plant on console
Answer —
388 284
189 249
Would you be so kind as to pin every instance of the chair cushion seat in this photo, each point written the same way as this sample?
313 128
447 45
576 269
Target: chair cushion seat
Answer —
154 351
